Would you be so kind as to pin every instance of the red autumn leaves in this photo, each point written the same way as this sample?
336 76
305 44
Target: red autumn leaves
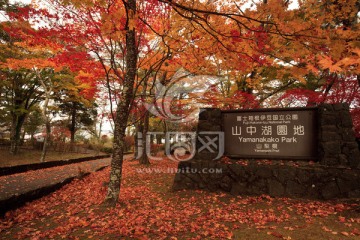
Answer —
150 210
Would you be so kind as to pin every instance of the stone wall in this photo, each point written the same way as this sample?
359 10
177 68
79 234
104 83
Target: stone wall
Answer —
209 121
337 143
285 179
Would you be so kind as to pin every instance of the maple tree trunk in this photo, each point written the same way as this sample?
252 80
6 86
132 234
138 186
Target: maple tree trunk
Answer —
144 159
158 139
145 128
22 139
46 140
140 142
45 116
136 144
123 109
327 89
166 139
17 122
73 126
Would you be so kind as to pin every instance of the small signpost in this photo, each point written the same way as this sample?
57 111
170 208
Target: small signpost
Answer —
271 133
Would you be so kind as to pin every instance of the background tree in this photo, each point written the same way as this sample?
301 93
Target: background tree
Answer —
33 122
19 100
79 115
47 86
20 45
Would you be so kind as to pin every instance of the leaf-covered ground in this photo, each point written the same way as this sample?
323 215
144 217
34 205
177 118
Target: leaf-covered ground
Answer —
150 210
29 156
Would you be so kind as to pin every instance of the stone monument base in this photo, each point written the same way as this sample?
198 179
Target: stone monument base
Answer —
275 178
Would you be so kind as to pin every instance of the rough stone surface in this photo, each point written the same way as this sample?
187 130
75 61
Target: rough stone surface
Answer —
330 190
276 180
209 121
337 143
294 189
264 172
239 188
276 188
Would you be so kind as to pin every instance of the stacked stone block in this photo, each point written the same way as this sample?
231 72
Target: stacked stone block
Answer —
209 121
337 143
316 182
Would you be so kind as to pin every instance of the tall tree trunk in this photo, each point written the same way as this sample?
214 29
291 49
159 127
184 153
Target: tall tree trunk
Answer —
167 141
46 140
73 125
144 159
138 140
123 107
46 117
16 125
22 140
332 78
158 139
135 144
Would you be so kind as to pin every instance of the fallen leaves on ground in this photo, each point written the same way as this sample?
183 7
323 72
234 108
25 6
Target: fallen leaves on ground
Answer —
148 209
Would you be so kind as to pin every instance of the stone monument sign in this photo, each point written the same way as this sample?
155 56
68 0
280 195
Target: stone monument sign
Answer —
274 133
324 135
